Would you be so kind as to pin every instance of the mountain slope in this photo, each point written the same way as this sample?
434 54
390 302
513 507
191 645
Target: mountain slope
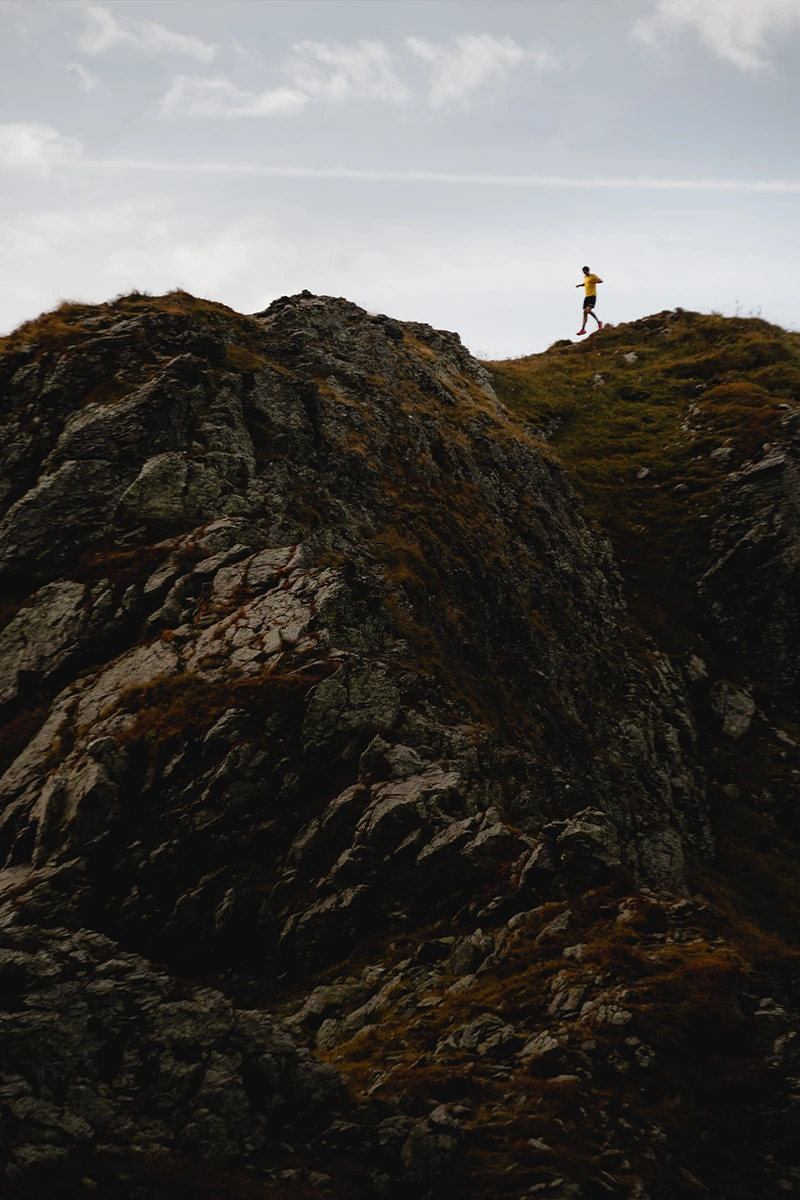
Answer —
680 432
319 692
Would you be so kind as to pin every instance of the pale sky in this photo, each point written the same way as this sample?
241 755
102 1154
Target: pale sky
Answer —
448 161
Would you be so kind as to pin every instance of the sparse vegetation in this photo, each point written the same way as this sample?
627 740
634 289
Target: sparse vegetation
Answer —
682 993
180 709
490 688
239 358
634 414
66 325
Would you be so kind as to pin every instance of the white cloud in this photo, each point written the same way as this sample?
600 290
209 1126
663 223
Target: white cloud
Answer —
86 81
316 71
192 96
737 31
336 72
103 31
35 148
473 61
416 175
332 72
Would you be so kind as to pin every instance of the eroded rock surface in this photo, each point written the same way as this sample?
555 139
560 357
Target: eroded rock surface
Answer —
751 586
83 1025
310 649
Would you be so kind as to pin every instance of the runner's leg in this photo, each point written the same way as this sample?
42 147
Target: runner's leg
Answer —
585 313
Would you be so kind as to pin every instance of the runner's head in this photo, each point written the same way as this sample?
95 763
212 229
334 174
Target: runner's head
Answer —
585 270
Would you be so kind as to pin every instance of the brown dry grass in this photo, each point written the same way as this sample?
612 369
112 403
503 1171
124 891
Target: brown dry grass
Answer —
683 995
179 710
65 325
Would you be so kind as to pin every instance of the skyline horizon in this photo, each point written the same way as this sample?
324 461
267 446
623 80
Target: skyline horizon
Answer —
416 157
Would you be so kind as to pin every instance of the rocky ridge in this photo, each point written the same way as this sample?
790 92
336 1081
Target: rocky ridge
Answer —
320 692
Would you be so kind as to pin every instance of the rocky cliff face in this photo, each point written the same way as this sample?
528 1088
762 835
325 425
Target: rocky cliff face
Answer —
751 586
320 693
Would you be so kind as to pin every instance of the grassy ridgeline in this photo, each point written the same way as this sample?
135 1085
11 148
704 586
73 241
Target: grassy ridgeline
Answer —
636 413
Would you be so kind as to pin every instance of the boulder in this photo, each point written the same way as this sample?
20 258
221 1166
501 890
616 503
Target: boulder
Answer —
156 493
588 848
733 707
469 952
42 636
431 1146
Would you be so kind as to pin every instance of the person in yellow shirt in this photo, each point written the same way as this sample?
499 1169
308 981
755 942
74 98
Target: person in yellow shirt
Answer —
590 282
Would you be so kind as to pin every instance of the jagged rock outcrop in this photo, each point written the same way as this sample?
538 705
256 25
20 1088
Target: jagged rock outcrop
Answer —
279 533
750 589
99 1049
309 648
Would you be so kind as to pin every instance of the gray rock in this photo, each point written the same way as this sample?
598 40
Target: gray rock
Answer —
264 568
539 871
750 591
393 1133
431 1146
232 554
352 701
542 1048
555 927
228 729
661 860
493 845
42 635
733 707
469 953
445 852
123 1019
588 847
156 493
488 1036
327 1000
696 669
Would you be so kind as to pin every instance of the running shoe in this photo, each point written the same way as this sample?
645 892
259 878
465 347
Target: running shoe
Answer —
599 326
580 331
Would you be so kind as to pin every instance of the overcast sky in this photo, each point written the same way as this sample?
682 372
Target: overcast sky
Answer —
449 161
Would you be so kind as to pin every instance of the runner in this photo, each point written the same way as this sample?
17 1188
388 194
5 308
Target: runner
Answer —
590 283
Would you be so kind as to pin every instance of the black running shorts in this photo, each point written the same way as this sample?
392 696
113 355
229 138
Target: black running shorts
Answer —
588 301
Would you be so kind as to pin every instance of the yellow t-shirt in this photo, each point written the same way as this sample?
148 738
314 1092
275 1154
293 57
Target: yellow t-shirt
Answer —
590 283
